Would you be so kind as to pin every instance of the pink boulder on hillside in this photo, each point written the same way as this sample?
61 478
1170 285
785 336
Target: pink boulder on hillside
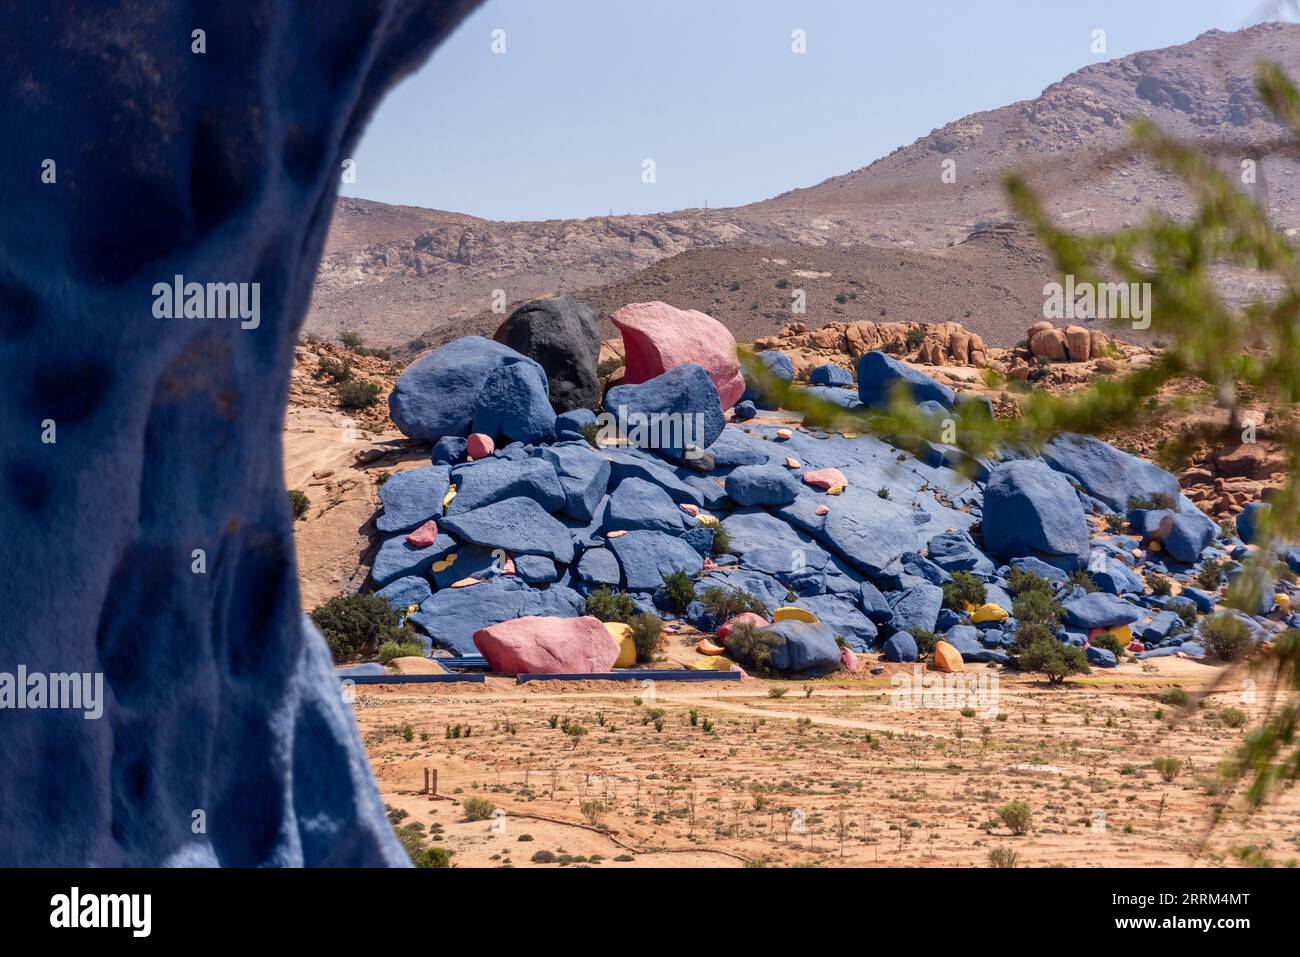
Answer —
744 618
479 446
825 478
547 646
425 535
658 337
849 660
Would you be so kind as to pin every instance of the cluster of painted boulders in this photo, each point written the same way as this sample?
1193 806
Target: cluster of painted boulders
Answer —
847 542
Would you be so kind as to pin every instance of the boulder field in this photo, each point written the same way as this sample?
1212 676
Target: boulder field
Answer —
846 542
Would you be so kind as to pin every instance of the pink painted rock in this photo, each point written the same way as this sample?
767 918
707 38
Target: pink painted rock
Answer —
547 646
746 617
509 567
658 337
823 510
848 660
825 478
425 535
480 446
689 509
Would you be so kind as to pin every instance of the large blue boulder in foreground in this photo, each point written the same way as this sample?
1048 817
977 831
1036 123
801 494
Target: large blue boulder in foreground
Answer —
669 412
436 395
879 373
515 404
1106 473
519 525
768 485
1030 510
218 167
646 557
413 497
803 650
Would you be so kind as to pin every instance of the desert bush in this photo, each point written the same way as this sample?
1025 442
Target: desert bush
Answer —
925 641
477 809
1159 584
350 339
1003 857
433 857
358 395
726 603
356 624
1036 607
299 502
335 370
679 591
1226 636
1055 660
607 606
1020 582
1116 524
1081 579
1016 816
1110 643
721 540
647 635
964 589
1232 717
1174 697
1167 768
399 649
1156 500
1210 574
752 646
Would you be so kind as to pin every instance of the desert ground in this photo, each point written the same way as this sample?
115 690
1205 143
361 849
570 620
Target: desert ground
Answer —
830 773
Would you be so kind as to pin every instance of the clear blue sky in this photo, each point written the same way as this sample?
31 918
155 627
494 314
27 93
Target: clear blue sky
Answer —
558 125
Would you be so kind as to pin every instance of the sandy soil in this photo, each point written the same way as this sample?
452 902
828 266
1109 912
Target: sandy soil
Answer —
832 773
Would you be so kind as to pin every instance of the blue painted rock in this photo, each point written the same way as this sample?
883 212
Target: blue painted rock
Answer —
1106 473
803 649
519 525
1032 511
1248 521
584 475
646 557
842 616
413 497
745 410
449 449
830 374
452 615
956 552
879 373
398 558
1099 610
405 592
515 403
640 505
575 420
916 607
777 364
495 479
1101 657
598 567
674 410
762 485
436 395
901 647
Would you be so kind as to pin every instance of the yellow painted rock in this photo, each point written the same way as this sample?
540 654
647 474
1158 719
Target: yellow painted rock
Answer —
1123 632
706 520
619 534
1155 546
947 658
622 636
414 665
1283 602
835 490
444 564
790 613
712 664
988 612
446 499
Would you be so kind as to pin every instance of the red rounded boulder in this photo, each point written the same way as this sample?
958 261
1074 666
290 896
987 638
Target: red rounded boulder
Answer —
658 337
536 645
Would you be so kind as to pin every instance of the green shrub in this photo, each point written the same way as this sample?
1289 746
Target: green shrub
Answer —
726 603
1037 607
679 591
1210 574
647 635
1186 611
299 502
351 340
433 857
1003 857
1167 768
1115 523
925 640
752 647
1156 500
1176 697
1232 717
1110 643
1081 579
336 371
1055 660
356 624
1226 636
1020 581
1159 584
605 605
358 395
1016 816
477 809
964 589
721 540
399 649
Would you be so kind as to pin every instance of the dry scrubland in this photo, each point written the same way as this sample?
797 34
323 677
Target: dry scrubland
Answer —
733 767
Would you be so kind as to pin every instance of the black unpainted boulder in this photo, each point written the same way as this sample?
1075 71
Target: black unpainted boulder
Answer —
560 334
